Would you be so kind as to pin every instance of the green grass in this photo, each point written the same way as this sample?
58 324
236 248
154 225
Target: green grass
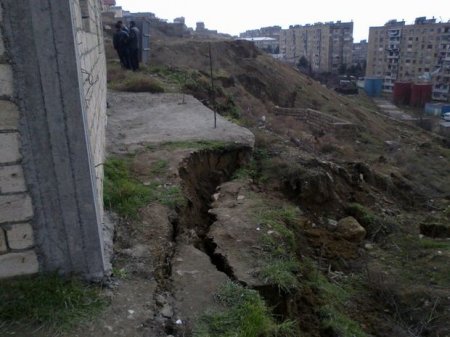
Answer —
244 314
281 267
159 167
49 301
283 273
125 194
426 243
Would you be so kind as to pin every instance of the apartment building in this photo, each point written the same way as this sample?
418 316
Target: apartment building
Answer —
359 53
326 46
416 52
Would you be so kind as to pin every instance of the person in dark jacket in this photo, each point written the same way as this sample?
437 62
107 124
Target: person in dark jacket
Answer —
134 37
121 42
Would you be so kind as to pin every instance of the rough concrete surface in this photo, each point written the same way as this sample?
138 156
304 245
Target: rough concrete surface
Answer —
195 282
136 119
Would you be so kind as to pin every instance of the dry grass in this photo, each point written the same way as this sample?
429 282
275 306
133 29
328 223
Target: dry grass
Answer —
125 80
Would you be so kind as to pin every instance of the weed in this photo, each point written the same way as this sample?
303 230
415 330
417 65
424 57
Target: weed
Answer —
339 323
283 273
126 195
171 196
159 167
375 226
48 300
426 243
137 82
244 314
123 193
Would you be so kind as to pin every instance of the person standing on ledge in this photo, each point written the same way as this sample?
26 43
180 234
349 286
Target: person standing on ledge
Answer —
121 42
133 45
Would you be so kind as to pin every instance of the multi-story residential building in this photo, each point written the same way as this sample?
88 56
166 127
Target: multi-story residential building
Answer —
272 31
326 46
267 44
416 52
359 53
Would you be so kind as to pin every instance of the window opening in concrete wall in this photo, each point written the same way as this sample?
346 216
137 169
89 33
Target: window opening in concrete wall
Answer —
85 15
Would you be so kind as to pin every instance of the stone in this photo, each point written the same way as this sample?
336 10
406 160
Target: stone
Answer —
9 115
15 264
350 229
167 311
9 151
3 246
15 208
12 179
20 236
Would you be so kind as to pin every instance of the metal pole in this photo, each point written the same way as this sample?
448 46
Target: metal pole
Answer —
213 94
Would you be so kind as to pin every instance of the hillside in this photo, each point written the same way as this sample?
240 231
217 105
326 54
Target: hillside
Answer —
354 204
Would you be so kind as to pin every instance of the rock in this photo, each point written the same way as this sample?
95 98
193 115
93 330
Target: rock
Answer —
350 229
240 197
167 311
368 246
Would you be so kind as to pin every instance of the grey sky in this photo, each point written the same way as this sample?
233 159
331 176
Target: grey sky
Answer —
235 16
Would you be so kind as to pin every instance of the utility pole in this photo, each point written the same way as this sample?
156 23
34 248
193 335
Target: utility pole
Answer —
213 94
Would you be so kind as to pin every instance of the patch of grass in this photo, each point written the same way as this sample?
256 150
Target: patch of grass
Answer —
375 226
159 167
283 273
170 196
281 267
426 243
48 300
332 311
138 82
244 314
123 193
340 323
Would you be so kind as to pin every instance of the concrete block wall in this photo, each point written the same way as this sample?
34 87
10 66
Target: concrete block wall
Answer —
89 39
17 253
52 136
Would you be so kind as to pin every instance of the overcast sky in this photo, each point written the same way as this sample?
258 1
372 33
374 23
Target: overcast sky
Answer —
236 16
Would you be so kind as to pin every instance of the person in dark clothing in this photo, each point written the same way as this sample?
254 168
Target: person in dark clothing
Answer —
121 42
133 46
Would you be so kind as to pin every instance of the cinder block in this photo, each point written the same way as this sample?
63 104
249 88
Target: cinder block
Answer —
3 246
16 264
15 208
9 115
12 179
6 80
20 236
9 149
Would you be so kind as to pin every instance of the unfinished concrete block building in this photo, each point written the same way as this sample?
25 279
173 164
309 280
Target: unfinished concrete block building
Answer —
52 137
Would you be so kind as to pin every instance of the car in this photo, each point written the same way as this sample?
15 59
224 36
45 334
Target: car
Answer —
446 116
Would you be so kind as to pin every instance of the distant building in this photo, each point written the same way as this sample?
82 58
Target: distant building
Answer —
267 44
326 46
180 20
416 52
359 53
272 32
107 4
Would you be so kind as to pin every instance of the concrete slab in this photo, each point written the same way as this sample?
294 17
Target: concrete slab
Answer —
137 119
